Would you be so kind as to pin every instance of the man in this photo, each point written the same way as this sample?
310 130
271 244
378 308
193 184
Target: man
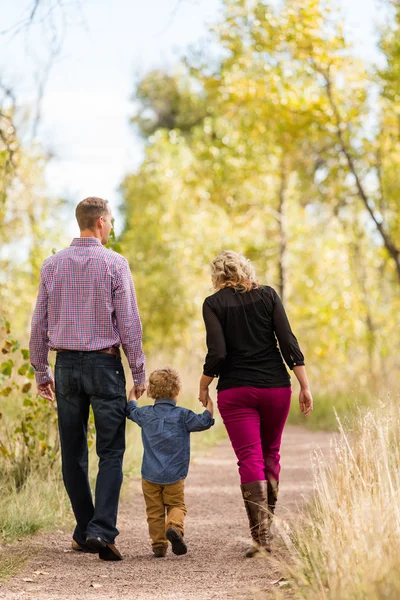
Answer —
86 308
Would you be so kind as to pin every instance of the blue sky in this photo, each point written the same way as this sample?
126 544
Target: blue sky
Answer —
107 46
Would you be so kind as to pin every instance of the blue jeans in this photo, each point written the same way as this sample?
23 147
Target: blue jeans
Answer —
83 379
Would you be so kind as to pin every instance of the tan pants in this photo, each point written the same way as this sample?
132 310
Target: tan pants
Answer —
160 498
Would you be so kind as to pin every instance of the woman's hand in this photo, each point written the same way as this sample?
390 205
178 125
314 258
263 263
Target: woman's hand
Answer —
204 396
306 401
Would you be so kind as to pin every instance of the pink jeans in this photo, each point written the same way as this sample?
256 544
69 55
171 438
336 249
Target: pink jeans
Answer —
254 419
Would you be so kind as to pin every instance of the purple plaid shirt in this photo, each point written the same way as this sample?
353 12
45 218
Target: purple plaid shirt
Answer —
86 302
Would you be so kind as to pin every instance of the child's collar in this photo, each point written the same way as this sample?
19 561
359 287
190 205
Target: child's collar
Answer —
165 401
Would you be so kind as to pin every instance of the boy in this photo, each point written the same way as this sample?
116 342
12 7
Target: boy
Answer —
166 431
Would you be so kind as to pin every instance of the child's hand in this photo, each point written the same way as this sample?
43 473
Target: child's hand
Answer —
136 392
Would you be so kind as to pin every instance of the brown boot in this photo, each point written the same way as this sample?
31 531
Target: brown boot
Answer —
160 550
252 551
255 496
273 489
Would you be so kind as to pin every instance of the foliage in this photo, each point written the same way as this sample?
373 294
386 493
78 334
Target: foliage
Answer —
30 442
290 163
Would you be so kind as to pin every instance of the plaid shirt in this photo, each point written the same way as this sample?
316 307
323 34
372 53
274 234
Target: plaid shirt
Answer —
86 302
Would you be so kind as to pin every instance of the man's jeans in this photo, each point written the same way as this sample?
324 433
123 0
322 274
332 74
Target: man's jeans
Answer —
83 379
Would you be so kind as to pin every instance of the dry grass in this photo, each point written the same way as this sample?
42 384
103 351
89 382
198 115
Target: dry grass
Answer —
347 547
12 560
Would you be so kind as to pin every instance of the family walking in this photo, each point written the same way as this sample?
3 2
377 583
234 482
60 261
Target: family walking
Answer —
86 310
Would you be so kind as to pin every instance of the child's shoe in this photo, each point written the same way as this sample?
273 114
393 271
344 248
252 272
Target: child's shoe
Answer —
160 550
176 538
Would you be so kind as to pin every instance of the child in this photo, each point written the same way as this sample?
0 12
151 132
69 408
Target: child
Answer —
166 431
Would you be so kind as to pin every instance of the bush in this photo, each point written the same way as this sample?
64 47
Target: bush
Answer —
28 429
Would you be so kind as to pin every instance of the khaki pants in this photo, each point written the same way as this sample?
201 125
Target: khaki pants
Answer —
160 498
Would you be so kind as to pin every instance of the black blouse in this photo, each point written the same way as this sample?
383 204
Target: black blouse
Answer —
242 333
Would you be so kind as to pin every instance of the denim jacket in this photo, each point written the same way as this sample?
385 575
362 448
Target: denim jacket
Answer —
166 431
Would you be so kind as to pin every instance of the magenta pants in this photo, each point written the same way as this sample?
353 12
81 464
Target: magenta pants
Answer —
254 419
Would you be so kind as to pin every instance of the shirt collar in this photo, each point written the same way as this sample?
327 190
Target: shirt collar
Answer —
165 401
84 241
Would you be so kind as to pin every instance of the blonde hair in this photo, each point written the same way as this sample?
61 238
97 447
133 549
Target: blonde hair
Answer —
231 269
164 383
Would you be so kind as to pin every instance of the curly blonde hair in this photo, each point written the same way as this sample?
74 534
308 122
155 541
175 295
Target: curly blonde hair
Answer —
164 383
231 269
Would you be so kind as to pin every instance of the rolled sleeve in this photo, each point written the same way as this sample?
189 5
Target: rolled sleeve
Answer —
128 323
198 422
133 412
39 341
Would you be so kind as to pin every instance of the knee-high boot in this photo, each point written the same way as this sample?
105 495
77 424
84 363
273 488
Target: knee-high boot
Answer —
255 496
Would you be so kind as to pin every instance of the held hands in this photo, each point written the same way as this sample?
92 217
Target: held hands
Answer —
204 397
136 392
306 401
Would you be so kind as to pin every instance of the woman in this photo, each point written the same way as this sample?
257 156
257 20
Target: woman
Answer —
244 321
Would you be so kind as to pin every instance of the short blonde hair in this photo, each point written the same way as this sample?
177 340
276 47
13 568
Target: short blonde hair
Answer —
164 383
231 269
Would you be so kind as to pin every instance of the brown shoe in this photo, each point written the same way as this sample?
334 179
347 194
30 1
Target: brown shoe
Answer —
160 550
176 538
82 548
255 496
106 551
110 552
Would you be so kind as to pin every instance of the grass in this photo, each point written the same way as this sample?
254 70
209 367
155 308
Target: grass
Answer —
12 561
347 546
40 504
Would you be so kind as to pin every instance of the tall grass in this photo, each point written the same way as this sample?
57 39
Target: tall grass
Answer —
347 547
40 503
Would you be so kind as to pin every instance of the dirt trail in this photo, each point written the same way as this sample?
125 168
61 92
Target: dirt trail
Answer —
216 533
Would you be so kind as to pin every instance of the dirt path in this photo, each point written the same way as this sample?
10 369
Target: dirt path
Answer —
216 533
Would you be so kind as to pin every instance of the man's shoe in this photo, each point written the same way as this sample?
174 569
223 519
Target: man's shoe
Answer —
110 552
82 548
96 543
176 538
160 551
106 551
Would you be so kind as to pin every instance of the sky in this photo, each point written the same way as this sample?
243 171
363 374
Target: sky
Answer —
106 46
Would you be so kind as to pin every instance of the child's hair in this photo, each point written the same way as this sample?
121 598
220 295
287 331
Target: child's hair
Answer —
164 383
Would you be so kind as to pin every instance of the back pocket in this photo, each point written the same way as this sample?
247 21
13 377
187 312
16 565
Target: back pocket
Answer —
63 380
108 381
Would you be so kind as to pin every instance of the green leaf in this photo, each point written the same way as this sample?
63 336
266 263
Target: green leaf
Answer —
25 353
7 367
31 373
6 325
24 369
6 392
27 402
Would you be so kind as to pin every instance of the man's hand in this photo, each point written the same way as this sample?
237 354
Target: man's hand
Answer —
306 401
46 390
137 391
